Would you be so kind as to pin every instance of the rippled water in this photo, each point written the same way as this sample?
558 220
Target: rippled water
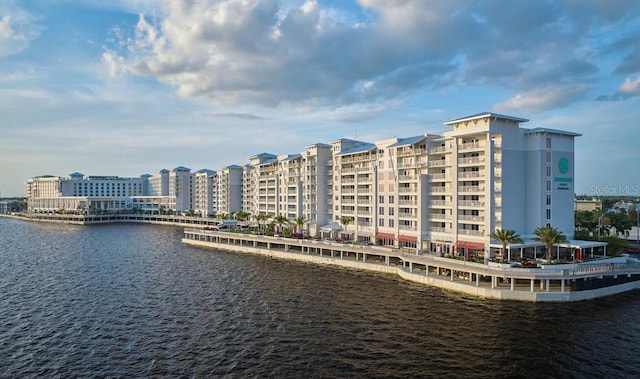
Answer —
132 301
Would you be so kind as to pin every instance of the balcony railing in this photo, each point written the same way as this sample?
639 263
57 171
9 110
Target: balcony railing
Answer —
438 229
470 232
407 215
471 203
439 163
471 160
470 189
471 146
470 218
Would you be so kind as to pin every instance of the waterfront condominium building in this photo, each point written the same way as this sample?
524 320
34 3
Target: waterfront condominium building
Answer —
316 184
206 193
181 186
229 190
442 193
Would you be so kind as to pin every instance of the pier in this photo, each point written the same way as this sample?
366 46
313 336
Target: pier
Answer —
549 283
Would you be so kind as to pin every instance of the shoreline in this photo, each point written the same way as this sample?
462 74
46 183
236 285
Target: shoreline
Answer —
497 282
554 283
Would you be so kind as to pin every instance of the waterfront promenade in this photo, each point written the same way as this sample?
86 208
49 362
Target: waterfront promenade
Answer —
549 283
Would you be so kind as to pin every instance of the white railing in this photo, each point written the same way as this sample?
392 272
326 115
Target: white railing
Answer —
470 189
470 145
470 218
471 160
439 163
470 232
471 203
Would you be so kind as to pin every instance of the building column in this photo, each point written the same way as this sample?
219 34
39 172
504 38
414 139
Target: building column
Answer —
410 266
561 285
452 275
513 284
477 280
532 280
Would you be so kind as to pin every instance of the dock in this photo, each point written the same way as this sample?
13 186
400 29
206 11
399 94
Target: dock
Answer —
548 283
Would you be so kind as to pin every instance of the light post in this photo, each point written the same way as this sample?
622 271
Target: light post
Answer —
637 228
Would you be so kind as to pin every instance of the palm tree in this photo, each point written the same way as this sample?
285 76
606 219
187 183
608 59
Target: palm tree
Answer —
299 222
280 220
549 236
505 237
345 221
242 215
260 218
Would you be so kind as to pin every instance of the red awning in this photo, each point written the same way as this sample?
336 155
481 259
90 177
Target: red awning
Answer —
409 239
470 245
385 236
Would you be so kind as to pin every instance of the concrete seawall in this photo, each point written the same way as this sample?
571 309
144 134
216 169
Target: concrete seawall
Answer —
446 283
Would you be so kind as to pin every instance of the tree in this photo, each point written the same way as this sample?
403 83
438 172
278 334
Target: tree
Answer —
505 237
299 222
280 220
260 218
242 215
345 221
549 236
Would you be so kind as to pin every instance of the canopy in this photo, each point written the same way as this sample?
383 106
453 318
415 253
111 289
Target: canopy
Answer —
470 245
409 239
331 227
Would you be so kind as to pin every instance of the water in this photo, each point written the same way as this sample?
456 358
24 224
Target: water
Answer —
132 301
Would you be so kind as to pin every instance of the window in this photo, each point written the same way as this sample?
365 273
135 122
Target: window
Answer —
548 185
548 142
381 222
548 214
548 199
381 199
391 223
381 211
548 157
391 211
548 171
391 199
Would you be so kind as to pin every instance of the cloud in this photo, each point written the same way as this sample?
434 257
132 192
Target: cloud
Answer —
311 55
541 99
18 28
630 87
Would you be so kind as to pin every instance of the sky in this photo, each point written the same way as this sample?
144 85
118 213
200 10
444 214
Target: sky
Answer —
128 87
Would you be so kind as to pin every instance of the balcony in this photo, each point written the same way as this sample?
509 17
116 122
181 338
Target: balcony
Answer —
471 203
471 189
438 189
471 161
406 190
407 165
439 229
468 175
470 232
408 202
439 177
406 178
471 146
439 216
407 227
438 150
470 218
407 215
406 152
440 203
439 163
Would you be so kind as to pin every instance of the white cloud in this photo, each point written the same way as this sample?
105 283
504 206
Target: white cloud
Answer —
630 87
541 99
17 29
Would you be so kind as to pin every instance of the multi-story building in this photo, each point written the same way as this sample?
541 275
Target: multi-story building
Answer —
206 193
229 190
442 193
158 185
354 187
76 193
316 183
181 187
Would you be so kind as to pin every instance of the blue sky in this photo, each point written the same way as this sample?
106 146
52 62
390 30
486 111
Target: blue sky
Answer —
110 87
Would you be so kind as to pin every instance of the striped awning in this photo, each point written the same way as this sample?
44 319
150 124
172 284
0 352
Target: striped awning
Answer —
469 245
409 239
385 236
